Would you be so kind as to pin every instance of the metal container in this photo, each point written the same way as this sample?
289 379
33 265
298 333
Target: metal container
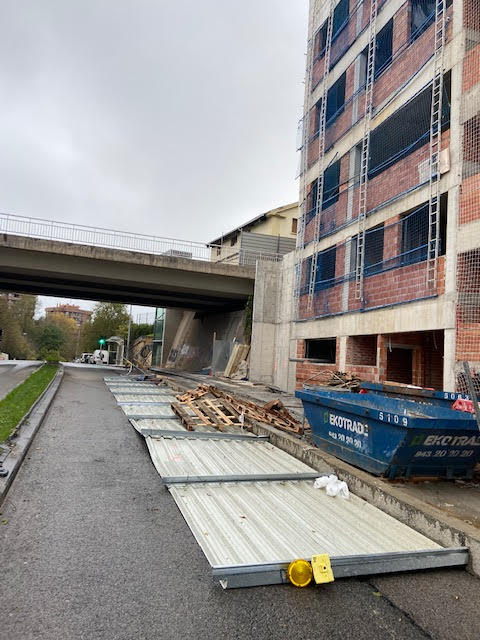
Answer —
393 436
427 396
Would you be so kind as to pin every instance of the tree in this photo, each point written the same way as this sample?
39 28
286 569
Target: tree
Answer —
138 330
50 338
12 338
70 331
108 319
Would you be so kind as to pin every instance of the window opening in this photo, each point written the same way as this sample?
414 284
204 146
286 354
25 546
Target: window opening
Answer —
323 350
383 48
325 273
331 182
335 99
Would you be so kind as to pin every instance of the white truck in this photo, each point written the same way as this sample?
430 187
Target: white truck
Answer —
100 356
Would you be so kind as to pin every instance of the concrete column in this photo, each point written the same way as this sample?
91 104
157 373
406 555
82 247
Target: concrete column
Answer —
449 348
342 355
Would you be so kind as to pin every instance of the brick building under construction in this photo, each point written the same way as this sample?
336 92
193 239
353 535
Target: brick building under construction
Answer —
385 280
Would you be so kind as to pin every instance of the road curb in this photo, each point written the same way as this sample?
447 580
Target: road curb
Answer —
26 431
417 514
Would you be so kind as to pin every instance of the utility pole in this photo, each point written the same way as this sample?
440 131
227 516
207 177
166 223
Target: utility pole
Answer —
127 355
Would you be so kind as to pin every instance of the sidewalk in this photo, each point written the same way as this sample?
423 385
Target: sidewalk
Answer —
445 510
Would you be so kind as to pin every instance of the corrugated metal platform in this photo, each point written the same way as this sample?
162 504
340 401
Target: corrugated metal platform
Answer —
252 513
250 532
126 398
179 458
146 410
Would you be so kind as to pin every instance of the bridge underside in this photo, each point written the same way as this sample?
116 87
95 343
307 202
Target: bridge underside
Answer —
68 270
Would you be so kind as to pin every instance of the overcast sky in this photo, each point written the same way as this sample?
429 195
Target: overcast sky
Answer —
172 118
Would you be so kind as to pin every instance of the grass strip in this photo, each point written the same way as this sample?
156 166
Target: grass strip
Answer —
16 404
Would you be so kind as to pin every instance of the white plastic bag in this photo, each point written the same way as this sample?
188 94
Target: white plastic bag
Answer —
333 486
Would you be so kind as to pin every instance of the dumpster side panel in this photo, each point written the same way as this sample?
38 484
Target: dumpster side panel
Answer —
398 441
363 442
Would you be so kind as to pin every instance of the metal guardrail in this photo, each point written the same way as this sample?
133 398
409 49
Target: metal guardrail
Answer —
109 238
99 237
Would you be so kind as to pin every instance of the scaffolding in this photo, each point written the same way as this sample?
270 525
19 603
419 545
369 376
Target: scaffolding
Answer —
364 158
324 203
321 153
435 144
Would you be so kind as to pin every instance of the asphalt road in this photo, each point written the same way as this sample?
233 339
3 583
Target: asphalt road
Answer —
93 547
13 373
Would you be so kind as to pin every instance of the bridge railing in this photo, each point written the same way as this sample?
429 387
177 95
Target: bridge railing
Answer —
109 238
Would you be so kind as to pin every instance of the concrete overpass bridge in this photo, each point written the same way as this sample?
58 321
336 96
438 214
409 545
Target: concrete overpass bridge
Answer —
75 261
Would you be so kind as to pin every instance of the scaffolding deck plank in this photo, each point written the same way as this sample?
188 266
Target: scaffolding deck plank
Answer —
240 525
180 458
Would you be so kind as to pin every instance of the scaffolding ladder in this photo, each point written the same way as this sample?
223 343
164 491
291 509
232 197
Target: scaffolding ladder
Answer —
300 243
362 192
321 157
435 145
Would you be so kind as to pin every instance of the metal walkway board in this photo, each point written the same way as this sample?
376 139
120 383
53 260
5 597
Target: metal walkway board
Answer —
181 458
126 398
164 424
174 424
150 411
140 392
199 435
268 524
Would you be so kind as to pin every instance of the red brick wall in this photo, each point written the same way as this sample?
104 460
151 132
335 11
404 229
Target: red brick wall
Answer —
362 350
398 285
471 68
409 58
469 199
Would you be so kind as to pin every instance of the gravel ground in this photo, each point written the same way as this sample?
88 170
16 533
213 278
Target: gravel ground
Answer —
92 546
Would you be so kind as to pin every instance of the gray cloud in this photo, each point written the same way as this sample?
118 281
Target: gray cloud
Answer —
175 118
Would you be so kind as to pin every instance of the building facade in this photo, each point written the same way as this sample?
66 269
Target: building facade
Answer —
271 233
70 311
389 191
386 273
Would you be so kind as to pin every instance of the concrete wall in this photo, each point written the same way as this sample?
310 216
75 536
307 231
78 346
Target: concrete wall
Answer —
272 344
192 346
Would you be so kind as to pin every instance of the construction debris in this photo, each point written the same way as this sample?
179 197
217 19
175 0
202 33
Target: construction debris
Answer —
239 354
194 409
207 413
337 379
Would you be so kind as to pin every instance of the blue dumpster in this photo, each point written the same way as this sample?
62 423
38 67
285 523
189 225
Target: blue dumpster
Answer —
428 396
393 436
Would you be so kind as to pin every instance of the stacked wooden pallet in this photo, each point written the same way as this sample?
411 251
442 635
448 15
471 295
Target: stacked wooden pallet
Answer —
222 409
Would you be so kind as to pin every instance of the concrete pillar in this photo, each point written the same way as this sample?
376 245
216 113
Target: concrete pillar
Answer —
449 348
342 355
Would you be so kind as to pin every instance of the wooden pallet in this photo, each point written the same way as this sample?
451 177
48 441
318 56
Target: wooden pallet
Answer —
279 418
198 392
206 412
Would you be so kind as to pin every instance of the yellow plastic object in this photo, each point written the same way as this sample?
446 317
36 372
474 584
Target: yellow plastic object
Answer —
300 572
322 570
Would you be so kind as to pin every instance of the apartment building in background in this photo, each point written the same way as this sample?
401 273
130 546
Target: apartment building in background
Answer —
271 233
386 274
70 311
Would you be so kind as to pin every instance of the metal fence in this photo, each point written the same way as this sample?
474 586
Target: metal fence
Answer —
109 238
99 237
